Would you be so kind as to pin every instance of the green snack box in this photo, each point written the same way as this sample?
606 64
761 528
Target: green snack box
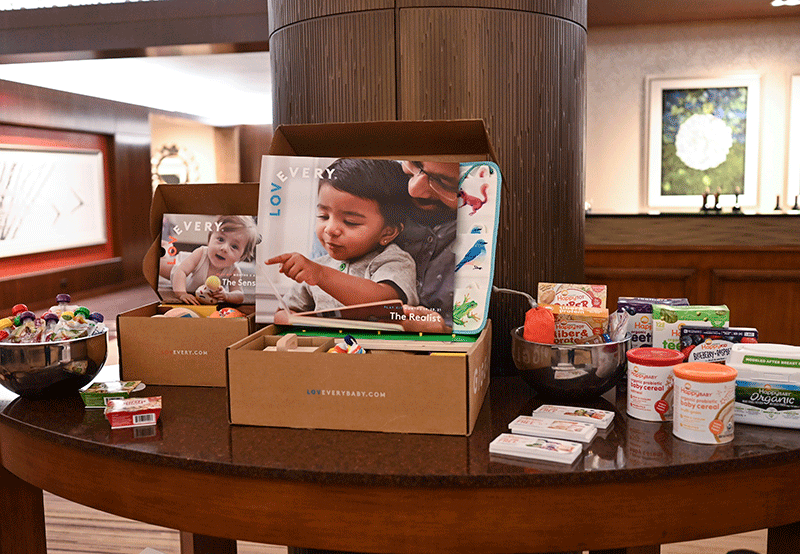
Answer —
97 394
668 320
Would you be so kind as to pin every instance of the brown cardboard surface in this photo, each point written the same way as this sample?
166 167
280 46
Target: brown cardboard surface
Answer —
183 351
396 392
449 140
176 351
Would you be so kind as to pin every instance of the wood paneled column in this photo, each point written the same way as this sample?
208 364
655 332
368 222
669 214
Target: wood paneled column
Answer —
518 65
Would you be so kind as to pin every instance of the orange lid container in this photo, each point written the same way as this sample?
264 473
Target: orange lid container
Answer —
705 372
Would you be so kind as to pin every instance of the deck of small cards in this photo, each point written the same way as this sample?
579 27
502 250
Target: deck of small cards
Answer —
552 433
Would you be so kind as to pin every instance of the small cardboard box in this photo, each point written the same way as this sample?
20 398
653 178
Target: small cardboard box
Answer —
387 391
183 351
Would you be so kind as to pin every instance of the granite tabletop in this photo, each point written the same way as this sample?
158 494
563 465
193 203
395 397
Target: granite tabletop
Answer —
193 433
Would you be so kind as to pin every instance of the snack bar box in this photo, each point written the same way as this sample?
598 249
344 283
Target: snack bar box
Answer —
386 391
438 394
183 351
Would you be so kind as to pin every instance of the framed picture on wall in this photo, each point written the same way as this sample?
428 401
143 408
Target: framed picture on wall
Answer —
793 183
702 141
50 199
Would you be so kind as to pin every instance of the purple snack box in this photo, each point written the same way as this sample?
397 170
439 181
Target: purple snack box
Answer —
640 324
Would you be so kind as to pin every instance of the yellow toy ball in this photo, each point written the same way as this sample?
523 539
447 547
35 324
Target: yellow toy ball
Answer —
213 282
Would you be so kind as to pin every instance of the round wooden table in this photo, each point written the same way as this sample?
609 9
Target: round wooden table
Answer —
635 487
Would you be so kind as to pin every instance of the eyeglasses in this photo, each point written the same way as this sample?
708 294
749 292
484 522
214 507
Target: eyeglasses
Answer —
444 190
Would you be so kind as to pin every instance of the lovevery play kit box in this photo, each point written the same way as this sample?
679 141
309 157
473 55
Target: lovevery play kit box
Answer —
184 350
396 388
392 391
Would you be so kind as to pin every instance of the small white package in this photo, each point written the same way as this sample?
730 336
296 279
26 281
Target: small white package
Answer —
599 418
553 428
539 448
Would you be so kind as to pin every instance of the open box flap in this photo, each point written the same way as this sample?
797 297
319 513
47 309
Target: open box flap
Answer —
209 199
449 140
460 141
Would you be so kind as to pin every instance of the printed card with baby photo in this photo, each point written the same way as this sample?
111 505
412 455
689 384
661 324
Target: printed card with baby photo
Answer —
208 259
373 244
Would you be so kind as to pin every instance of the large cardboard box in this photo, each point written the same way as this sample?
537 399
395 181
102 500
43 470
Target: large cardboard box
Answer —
183 351
387 391
381 391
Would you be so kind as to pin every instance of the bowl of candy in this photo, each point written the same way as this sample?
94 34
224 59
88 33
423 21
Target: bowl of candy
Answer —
52 355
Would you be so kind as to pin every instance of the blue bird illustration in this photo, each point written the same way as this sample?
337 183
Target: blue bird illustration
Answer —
474 255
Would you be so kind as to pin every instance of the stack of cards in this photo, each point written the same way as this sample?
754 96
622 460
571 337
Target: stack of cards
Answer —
539 448
553 428
599 418
551 432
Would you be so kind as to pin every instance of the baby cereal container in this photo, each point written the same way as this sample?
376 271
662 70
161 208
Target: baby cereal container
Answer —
704 398
650 383
767 385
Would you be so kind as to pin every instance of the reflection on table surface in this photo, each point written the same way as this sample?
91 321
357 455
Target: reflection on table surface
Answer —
194 431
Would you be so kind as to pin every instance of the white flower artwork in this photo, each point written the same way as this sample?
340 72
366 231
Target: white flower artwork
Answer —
703 141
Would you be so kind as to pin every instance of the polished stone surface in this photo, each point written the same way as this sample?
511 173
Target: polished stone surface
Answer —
194 432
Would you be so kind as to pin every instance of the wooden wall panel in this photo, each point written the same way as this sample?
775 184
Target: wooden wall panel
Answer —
254 142
770 296
656 282
761 286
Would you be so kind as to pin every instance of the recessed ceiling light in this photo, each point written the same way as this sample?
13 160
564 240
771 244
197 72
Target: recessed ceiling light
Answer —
777 3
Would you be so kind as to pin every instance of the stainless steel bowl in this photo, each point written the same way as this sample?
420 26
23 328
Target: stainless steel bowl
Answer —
52 369
567 371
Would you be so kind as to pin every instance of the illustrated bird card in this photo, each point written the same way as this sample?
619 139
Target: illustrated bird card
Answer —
474 246
208 259
376 244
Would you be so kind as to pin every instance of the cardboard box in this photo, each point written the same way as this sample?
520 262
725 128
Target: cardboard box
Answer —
419 393
183 351
387 391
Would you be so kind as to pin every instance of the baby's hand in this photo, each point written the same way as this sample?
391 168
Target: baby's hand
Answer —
187 298
298 267
281 317
220 295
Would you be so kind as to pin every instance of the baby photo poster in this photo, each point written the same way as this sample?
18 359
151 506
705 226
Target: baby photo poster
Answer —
394 245
208 259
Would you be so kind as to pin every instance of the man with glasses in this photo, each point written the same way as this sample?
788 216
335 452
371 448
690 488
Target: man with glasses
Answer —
428 236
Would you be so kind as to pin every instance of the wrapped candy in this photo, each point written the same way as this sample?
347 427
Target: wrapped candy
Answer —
26 330
50 321
61 322
6 326
63 305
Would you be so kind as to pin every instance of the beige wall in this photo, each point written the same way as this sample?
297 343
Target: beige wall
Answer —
620 60
213 152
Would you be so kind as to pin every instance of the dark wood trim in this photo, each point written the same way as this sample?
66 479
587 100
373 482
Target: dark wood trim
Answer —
132 29
29 505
